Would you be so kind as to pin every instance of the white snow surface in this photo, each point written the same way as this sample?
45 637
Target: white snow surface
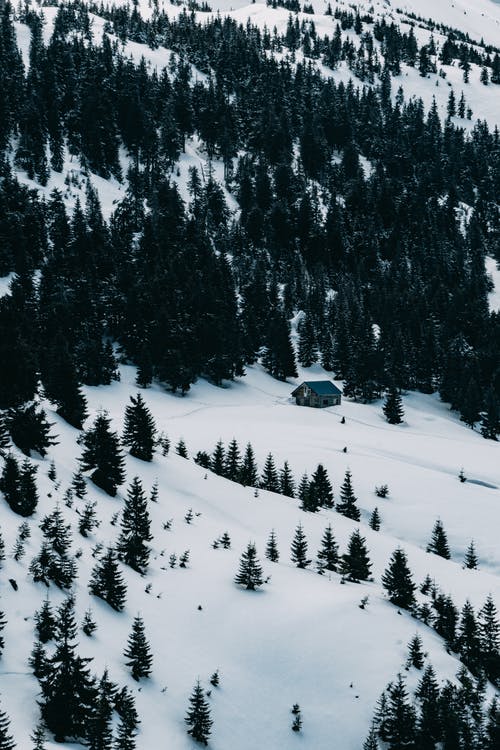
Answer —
302 638
494 272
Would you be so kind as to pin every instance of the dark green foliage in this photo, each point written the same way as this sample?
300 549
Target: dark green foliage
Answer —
356 564
198 716
132 545
249 475
287 484
250 570
99 729
89 625
467 642
218 459
3 623
375 521
138 652
328 555
38 737
78 485
60 382
4 435
398 582
269 479
127 729
470 559
139 431
6 739
29 429
279 357
272 552
18 486
102 456
88 520
347 503
232 466
299 548
401 719
320 489
45 622
107 581
438 544
68 691
393 407
181 449
415 653
489 639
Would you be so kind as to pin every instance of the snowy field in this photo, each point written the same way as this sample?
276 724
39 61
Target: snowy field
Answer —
302 638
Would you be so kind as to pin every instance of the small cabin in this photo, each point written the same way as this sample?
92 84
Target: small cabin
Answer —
317 393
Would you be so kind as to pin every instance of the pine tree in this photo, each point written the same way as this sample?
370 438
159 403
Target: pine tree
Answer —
139 431
371 742
279 356
4 436
320 488
38 737
3 623
328 555
415 653
347 503
249 475
89 625
232 466
272 552
307 349
401 719
102 455
88 520
398 582
181 449
107 581
78 485
307 501
470 559
490 417
299 548
6 739
45 622
127 729
99 728
270 480
429 721
287 485
18 486
198 716
138 651
29 429
438 544
135 529
468 642
68 691
250 571
356 564
375 521
489 637
218 459
393 407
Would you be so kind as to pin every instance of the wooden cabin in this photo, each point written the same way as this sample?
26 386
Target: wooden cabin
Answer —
317 393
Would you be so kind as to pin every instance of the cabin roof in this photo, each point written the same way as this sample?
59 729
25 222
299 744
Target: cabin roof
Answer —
321 387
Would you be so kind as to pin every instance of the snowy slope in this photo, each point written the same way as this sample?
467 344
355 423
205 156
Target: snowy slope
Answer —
302 638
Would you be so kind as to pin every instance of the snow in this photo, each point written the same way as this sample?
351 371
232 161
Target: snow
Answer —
493 271
302 638
5 283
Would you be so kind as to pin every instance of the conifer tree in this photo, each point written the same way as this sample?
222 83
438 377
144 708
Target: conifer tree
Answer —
438 544
429 720
470 559
489 637
328 555
18 486
107 581
89 625
272 552
393 406
138 651
198 716
270 480
490 417
3 623
398 582
374 522
371 742
279 356
299 548
320 488
45 622
78 485
4 436
127 729
468 642
347 503
38 737
88 520
287 485
232 466
181 449
415 653
401 719
139 431
132 545
250 570
99 729
218 459
249 475
306 501
356 564
68 691
102 455
29 429
6 739
307 349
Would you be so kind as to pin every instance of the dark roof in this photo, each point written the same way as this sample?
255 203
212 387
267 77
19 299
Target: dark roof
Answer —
321 387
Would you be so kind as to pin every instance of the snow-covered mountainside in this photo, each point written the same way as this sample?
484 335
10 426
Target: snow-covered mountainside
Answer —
302 638
118 238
